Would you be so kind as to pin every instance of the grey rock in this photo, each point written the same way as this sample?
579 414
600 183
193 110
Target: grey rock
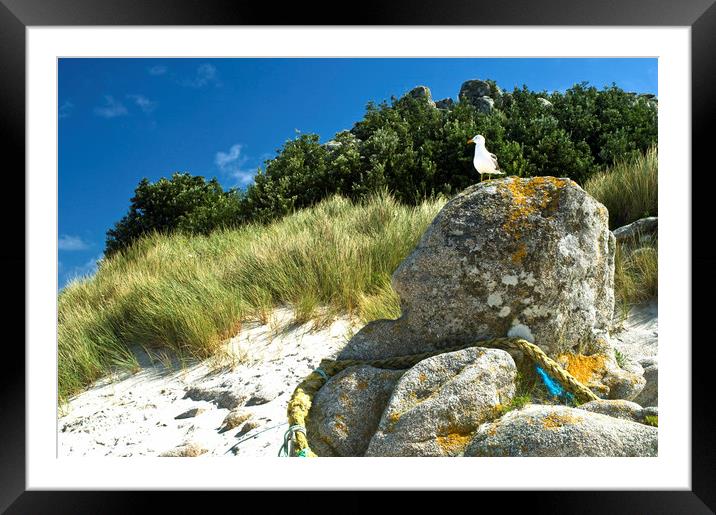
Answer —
190 413
626 410
345 412
421 93
532 258
445 103
641 230
544 102
562 431
223 398
649 396
439 403
473 90
484 104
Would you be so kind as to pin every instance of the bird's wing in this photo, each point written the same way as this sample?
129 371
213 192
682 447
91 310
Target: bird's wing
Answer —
494 160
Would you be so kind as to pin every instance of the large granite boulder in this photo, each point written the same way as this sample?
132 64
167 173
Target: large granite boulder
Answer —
532 258
479 94
439 403
345 412
562 431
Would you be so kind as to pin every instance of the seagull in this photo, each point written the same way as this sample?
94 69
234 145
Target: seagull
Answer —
484 161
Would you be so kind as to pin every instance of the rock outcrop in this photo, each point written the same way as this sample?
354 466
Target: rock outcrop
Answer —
479 94
532 258
562 431
440 402
421 93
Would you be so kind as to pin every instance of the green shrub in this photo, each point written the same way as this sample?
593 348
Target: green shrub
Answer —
183 203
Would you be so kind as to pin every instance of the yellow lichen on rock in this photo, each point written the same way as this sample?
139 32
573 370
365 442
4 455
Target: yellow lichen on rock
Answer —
529 197
453 443
557 420
585 369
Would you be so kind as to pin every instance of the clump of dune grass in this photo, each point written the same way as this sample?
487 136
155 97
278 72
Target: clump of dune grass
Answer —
629 189
636 274
188 294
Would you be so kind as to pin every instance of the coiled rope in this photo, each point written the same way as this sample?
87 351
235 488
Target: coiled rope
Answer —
295 439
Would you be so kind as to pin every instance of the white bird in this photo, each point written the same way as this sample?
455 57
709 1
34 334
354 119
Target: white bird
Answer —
484 161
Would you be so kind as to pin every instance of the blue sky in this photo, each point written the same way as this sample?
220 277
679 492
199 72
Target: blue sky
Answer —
124 119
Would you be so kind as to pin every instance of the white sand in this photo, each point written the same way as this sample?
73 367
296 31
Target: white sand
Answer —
134 415
639 337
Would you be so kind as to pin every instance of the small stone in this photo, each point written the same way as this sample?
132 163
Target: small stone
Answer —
190 413
248 426
234 419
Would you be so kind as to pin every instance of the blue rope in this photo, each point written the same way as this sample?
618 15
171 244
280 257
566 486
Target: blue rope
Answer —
553 387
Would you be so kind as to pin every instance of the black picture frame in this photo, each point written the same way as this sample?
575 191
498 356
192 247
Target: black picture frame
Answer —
700 15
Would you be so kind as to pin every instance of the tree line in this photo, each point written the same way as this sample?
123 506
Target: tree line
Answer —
412 149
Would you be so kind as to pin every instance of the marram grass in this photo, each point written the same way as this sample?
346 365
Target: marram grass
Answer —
629 189
189 293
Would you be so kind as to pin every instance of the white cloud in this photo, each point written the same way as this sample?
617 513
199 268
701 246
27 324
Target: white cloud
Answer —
157 70
66 109
85 269
68 242
111 109
143 103
231 163
205 74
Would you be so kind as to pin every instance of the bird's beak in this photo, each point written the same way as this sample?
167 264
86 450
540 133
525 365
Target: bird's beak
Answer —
470 141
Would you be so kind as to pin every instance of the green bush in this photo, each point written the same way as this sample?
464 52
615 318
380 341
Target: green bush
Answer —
185 203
